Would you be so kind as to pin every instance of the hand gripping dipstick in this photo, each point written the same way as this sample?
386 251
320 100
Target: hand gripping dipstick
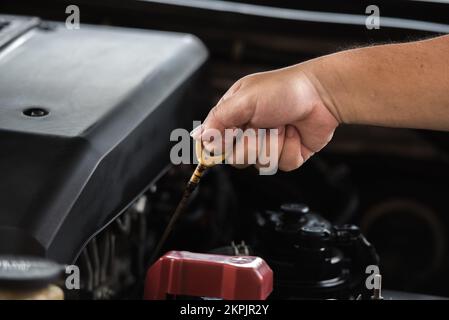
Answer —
205 161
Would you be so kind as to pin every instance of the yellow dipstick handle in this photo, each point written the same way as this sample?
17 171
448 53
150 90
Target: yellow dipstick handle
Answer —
205 160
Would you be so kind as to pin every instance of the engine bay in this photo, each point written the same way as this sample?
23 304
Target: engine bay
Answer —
86 181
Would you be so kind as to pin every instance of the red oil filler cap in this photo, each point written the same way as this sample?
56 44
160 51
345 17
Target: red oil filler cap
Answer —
208 275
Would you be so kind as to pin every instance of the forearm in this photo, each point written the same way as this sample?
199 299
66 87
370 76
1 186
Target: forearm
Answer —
399 85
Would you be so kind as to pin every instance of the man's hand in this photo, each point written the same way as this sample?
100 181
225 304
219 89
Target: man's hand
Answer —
399 85
285 99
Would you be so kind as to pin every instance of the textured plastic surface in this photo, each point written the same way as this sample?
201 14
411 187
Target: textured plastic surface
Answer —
209 275
28 272
113 96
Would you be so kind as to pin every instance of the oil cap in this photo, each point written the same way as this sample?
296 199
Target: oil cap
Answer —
183 273
19 272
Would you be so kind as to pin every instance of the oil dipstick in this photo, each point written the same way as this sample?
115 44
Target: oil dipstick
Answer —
205 161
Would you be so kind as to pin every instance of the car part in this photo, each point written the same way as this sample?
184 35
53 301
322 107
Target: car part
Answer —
311 257
29 278
181 273
205 162
87 118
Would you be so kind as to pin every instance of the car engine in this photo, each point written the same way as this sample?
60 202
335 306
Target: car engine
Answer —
86 181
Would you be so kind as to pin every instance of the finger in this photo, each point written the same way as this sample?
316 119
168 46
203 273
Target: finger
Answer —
244 151
232 112
232 90
270 151
306 152
291 157
212 120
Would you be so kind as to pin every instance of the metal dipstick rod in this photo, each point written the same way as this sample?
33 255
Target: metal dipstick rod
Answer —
204 162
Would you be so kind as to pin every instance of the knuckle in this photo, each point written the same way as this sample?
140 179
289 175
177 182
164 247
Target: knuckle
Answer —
215 112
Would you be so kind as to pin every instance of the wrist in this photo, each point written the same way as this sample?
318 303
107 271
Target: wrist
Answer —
324 75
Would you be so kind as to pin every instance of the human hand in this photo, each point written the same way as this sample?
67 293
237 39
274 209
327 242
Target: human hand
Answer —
287 99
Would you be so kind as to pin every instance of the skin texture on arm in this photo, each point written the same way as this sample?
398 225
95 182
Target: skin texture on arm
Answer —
398 85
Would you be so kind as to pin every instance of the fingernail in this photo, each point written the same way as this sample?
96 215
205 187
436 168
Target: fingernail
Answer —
196 133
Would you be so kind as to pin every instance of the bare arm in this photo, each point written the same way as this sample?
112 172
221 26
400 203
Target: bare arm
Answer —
398 85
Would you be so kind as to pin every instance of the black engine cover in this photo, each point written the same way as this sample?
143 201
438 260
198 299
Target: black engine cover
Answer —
113 96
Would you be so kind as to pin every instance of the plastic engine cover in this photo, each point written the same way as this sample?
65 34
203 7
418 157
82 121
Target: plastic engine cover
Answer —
113 96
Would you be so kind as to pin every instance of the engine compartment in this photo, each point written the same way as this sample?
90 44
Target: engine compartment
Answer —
104 189
75 124
227 213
